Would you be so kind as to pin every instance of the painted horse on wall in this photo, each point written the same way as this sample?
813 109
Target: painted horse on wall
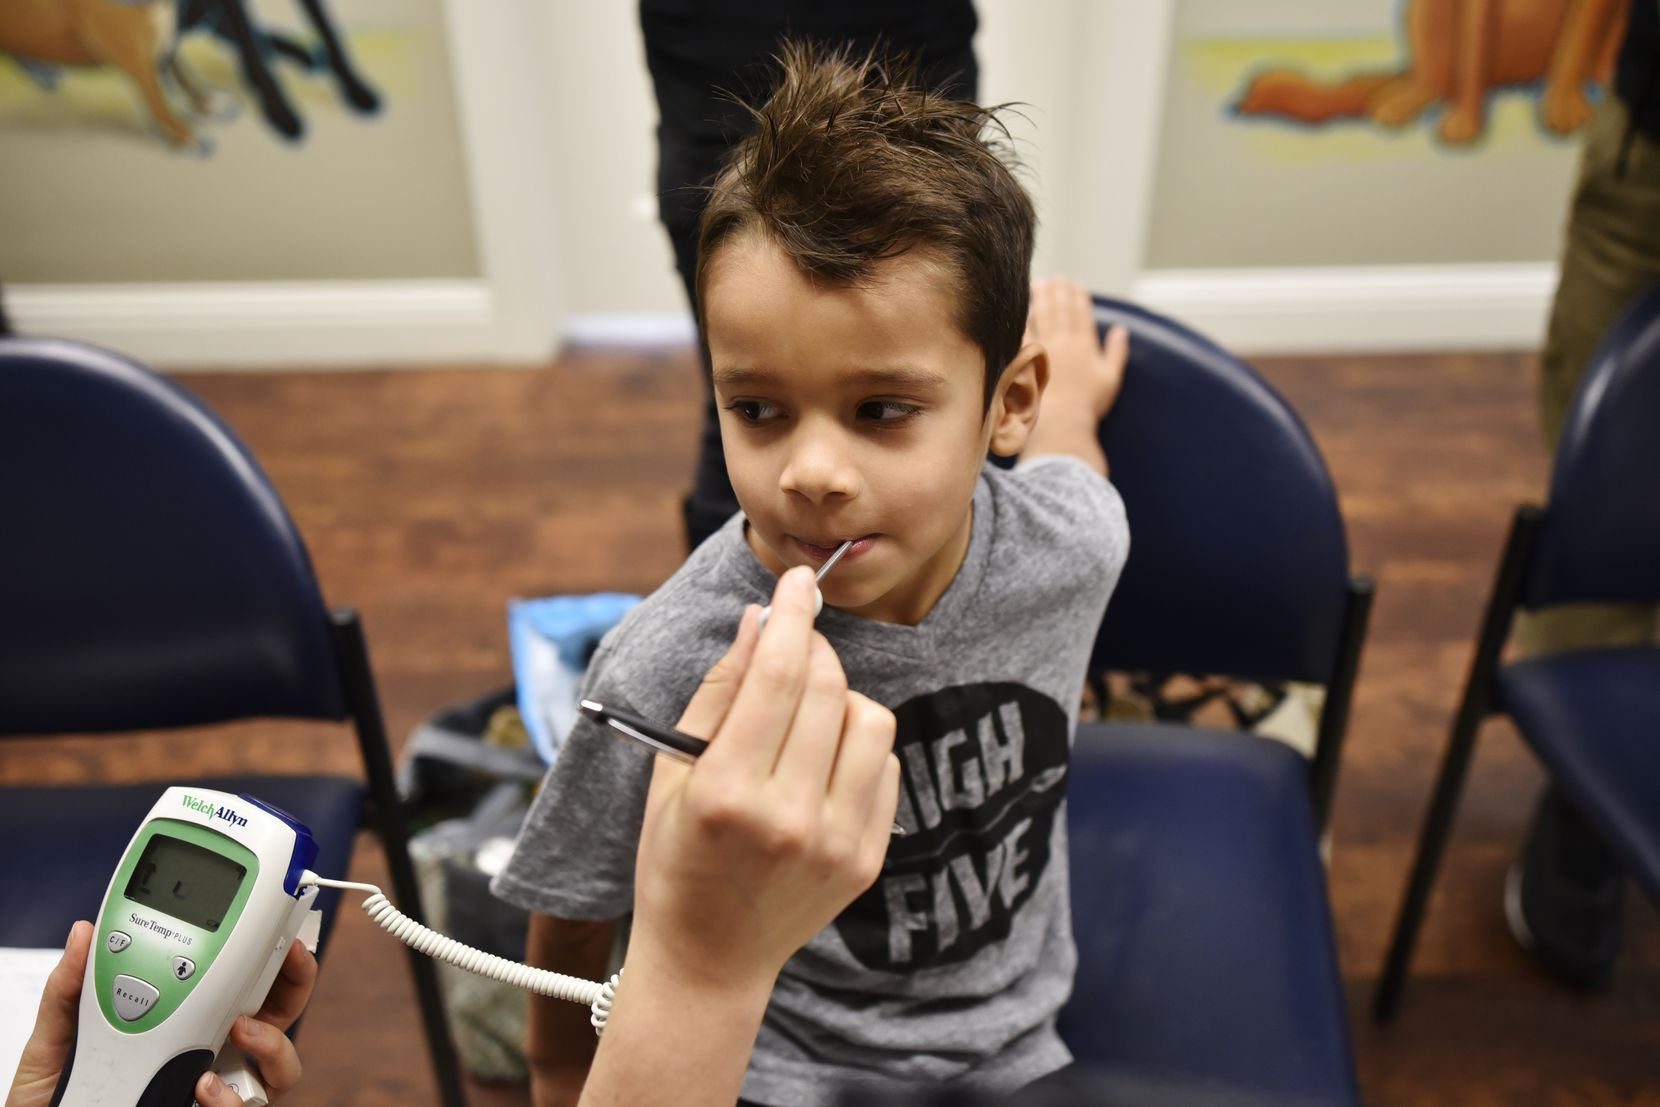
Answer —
141 37
257 50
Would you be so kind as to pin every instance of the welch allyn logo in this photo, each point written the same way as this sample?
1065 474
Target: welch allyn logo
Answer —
207 808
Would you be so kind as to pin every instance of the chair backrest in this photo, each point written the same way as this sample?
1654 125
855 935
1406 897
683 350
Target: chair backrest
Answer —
1600 542
149 575
1238 562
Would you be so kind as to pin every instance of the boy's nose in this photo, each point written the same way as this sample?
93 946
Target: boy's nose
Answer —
819 469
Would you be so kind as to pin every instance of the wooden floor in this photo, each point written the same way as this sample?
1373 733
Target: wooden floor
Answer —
430 498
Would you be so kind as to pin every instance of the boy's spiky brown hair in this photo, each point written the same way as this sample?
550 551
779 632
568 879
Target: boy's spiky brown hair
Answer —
852 163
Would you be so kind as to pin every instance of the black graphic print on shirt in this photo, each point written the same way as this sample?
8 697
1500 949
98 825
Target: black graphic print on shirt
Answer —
984 772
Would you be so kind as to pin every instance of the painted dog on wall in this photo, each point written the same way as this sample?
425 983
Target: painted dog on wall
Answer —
1456 53
140 38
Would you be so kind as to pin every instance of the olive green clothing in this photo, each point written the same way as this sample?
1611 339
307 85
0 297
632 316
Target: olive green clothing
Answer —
1612 254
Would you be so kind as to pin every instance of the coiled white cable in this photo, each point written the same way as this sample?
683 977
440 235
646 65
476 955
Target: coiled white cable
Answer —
596 997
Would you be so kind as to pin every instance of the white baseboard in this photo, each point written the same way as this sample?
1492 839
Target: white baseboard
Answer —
1360 309
288 325
393 323
631 328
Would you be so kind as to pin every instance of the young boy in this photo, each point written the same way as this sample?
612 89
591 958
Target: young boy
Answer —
862 272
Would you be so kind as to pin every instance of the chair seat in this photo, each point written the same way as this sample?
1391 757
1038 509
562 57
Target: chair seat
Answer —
1593 716
1199 906
68 875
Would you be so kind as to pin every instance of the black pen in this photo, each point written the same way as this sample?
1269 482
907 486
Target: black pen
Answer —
663 739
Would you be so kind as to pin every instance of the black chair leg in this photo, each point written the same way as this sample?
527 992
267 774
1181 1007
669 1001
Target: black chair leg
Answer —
1334 716
1432 842
446 1065
386 813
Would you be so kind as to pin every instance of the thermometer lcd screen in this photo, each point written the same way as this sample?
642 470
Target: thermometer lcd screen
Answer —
185 881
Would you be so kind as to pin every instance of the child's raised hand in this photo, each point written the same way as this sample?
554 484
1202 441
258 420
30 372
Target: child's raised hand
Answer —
1085 373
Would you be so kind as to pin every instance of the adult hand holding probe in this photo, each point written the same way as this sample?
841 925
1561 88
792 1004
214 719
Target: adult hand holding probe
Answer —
744 856
674 743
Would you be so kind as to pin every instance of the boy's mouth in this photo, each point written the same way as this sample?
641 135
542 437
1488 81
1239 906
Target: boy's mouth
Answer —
818 553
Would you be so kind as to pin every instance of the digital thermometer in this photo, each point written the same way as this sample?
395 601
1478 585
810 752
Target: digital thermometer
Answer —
195 925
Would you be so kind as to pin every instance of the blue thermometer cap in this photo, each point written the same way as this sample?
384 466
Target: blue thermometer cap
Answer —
305 846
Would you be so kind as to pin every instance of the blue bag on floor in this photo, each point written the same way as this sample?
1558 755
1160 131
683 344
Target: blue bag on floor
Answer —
552 640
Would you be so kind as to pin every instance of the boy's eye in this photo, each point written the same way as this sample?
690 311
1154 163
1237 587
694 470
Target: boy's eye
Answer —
887 411
752 411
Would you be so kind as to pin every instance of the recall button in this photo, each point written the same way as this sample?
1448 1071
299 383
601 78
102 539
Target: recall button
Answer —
133 997
183 968
118 941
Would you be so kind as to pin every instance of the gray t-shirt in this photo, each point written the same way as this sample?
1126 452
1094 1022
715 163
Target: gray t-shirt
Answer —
953 965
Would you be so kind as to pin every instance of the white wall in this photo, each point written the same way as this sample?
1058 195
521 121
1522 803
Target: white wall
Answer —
1037 53
1045 55
558 118
600 117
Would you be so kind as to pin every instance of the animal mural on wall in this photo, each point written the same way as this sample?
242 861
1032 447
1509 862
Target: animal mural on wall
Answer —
141 39
1458 53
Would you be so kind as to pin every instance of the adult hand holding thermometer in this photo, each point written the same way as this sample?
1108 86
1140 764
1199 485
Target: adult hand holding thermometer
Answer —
261 1037
745 855
196 926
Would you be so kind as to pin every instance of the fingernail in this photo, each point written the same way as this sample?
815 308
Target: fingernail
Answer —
214 1085
251 1027
803 579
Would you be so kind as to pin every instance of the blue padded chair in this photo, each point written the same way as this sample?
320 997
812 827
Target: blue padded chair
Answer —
150 578
1206 953
1593 716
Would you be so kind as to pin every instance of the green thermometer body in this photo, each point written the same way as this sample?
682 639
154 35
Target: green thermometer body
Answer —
195 924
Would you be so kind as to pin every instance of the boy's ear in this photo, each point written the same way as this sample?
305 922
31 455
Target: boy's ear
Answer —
1014 406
